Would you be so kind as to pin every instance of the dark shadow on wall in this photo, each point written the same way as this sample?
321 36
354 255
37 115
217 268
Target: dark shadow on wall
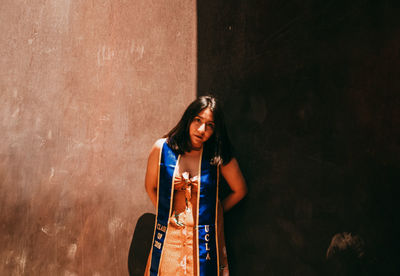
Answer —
141 243
310 94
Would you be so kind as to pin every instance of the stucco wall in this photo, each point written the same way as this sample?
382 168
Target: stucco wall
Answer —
311 95
86 89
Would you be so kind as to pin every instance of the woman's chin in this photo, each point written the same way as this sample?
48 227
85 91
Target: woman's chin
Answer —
197 146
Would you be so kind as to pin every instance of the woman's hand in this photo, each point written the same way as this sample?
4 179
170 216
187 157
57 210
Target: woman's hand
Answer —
236 182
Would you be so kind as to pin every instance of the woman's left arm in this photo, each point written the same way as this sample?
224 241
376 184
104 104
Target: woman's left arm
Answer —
236 182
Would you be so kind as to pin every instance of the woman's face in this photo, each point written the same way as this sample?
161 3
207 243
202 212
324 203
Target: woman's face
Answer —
201 128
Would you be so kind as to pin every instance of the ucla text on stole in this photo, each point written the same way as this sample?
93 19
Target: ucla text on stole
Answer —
163 228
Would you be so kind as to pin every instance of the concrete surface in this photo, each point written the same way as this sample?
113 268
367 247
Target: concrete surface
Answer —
86 88
311 96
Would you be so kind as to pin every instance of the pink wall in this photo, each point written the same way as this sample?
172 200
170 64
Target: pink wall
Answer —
86 89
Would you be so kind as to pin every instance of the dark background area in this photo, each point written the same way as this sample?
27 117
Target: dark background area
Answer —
311 98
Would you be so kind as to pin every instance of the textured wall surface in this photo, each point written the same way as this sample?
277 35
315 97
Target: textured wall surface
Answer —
311 94
86 88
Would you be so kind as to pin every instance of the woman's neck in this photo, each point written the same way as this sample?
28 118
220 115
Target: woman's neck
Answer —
194 151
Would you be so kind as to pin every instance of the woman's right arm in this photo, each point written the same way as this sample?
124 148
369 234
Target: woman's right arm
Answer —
152 171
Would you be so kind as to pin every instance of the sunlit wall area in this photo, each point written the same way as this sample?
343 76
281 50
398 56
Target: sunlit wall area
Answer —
86 89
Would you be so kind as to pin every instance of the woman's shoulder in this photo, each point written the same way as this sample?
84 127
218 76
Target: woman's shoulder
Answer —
159 144
156 149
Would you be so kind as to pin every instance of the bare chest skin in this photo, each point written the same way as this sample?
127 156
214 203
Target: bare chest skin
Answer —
188 162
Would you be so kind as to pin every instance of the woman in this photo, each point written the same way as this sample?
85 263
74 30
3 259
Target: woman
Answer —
182 182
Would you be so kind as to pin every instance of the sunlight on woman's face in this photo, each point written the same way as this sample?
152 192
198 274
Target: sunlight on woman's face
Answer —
201 128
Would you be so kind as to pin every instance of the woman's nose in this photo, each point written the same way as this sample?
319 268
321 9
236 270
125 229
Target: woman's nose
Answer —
202 128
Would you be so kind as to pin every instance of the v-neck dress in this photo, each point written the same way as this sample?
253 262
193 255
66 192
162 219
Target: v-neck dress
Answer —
179 253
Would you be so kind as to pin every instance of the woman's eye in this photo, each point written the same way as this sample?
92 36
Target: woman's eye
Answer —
210 126
197 120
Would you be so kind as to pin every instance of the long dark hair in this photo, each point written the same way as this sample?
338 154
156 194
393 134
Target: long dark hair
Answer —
218 147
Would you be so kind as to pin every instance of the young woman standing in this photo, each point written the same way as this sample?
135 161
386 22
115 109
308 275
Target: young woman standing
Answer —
182 180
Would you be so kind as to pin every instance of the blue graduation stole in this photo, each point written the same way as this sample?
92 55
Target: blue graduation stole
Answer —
206 223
